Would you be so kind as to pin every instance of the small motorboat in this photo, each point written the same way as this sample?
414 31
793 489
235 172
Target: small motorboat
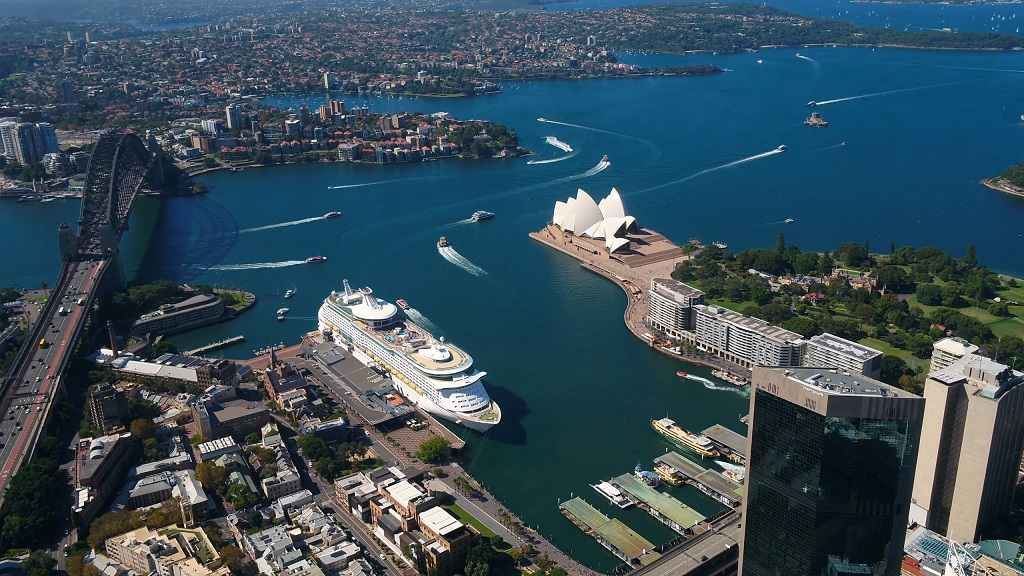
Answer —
781 148
315 259
788 220
403 304
681 374
289 293
812 103
282 311
442 243
334 214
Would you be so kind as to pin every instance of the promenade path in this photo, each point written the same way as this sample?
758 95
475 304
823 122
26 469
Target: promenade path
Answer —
484 502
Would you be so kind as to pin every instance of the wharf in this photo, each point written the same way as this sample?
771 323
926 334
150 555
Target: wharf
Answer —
662 507
707 481
732 445
618 538
214 345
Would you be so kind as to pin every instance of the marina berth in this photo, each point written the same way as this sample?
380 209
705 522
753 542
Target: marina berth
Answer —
431 373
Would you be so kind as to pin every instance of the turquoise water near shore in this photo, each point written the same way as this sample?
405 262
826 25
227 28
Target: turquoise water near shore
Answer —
692 157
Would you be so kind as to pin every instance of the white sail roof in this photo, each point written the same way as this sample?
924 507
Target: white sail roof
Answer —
606 220
611 206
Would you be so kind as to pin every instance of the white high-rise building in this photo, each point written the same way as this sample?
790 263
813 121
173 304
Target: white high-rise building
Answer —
234 116
948 350
7 139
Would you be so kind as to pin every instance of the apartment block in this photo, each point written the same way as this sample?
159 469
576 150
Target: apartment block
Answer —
745 340
670 306
831 351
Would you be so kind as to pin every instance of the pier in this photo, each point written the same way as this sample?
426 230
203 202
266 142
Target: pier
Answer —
732 445
707 481
662 507
618 538
214 345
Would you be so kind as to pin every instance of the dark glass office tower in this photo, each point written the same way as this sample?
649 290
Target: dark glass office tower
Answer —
829 474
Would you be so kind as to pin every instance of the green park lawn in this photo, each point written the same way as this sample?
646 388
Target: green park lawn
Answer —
467 518
918 364
1008 327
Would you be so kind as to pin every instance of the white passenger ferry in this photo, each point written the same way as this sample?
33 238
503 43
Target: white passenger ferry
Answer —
434 375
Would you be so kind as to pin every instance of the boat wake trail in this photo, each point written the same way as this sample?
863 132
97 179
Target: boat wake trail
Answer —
422 320
815 63
714 168
258 265
363 184
887 92
558 143
550 160
712 386
609 132
600 167
449 254
282 224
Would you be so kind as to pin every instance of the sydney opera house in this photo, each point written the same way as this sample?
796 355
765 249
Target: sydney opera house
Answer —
605 220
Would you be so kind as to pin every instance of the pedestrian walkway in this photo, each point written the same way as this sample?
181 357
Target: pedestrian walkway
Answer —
485 503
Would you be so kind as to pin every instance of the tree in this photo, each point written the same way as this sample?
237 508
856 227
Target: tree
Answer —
39 563
211 476
241 497
142 408
162 347
200 188
313 447
929 294
30 509
435 449
892 368
52 447
252 438
780 244
142 429
198 439
152 451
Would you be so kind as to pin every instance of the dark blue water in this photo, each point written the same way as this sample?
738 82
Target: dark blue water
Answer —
690 158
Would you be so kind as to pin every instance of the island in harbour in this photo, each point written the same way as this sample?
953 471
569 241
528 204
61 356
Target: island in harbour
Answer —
1010 182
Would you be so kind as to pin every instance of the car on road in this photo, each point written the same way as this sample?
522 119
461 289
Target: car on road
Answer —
382 557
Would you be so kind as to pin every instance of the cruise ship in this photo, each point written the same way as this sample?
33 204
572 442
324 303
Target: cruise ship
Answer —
696 443
435 375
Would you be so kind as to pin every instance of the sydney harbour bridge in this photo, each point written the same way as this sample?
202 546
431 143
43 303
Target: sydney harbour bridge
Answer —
119 166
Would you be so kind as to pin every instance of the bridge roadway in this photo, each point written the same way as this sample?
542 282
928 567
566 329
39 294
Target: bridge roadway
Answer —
27 401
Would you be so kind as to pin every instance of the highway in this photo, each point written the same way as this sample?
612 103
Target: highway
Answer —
26 403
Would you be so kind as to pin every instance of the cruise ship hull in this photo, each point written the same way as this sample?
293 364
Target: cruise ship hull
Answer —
461 387
419 400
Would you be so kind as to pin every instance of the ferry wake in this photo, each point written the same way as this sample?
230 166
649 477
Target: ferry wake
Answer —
435 375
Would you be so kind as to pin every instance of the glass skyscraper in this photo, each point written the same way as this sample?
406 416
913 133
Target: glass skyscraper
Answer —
829 474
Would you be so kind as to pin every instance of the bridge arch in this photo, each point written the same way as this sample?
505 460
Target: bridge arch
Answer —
117 168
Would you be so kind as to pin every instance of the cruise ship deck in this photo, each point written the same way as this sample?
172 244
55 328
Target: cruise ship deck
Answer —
620 539
708 481
662 507
405 337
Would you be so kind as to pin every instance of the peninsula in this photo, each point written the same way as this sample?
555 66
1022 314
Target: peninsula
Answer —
1010 182
888 307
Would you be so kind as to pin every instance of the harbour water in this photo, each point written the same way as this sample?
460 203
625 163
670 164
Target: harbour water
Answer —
691 157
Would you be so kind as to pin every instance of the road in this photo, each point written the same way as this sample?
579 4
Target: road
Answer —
27 402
